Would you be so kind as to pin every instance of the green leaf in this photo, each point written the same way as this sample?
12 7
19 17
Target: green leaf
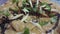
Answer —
43 23
54 19
25 3
26 31
15 1
25 10
1 12
6 13
35 9
29 8
24 0
47 7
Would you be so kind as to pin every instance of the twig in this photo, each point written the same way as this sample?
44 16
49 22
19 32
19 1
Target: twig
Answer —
15 17
37 3
30 3
24 18
52 31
